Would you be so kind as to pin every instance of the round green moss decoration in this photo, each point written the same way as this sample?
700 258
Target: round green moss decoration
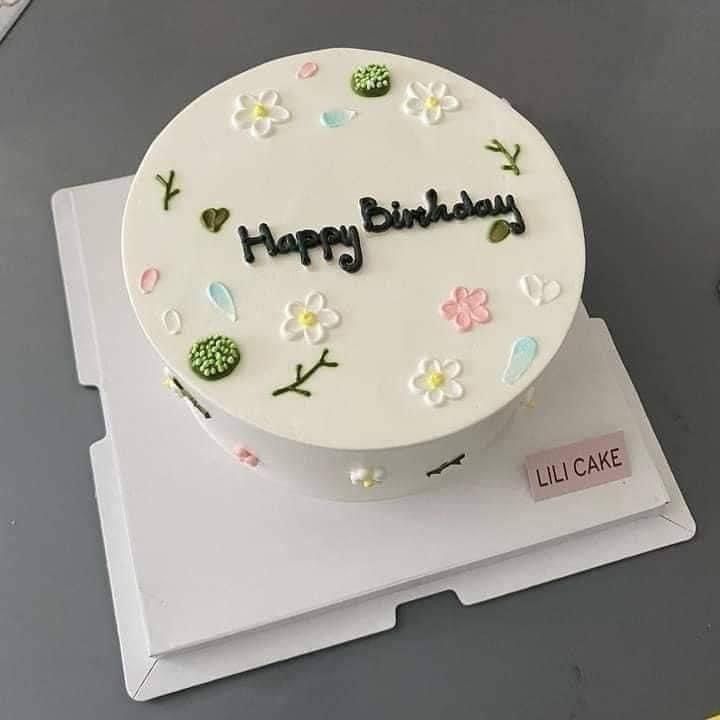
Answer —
214 357
371 80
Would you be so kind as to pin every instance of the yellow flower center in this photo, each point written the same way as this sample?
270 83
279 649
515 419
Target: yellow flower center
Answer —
307 318
435 380
368 482
431 102
259 111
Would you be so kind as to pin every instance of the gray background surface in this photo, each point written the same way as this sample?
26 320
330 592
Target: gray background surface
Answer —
627 94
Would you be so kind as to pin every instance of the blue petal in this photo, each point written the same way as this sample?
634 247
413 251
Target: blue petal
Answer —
221 297
336 118
523 352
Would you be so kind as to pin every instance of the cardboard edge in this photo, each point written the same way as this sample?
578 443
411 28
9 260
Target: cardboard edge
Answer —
137 664
77 297
677 513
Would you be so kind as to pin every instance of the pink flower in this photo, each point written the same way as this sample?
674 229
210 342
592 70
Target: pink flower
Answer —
245 456
466 307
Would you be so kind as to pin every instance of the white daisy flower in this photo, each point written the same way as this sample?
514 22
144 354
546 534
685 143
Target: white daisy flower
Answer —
437 381
258 113
367 477
310 319
429 101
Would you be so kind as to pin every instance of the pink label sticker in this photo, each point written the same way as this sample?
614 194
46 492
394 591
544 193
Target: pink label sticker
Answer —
578 466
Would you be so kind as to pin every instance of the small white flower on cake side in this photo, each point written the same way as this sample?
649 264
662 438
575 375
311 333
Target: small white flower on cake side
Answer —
429 102
258 113
437 381
310 319
367 477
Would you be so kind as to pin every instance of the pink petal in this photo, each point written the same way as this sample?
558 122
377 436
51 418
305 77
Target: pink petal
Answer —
240 452
148 280
306 70
480 314
251 460
463 321
477 297
460 293
449 309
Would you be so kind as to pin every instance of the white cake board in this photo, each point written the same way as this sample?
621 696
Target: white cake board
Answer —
213 572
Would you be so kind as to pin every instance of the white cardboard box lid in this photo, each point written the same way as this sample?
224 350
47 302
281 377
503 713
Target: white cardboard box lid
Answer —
85 213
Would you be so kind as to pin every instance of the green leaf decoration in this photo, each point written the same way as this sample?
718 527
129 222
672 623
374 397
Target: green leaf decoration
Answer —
499 230
371 80
496 146
214 218
214 357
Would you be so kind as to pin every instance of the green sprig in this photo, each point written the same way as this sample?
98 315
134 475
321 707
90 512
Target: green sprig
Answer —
496 146
170 193
301 377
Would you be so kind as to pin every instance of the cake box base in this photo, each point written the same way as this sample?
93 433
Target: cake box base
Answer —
214 573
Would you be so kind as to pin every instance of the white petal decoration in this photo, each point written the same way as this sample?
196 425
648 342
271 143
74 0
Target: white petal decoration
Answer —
531 286
315 301
246 102
551 291
451 368
242 120
314 333
431 115
172 321
436 382
261 127
269 98
449 103
310 318
293 309
279 114
453 389
367 477
221 297
291 329
424 366
438 89
328 318
413 105
417 384
418 90
538 291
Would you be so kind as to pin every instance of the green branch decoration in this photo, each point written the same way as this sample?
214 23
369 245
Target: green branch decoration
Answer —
496 146
170 192
214 357
301 377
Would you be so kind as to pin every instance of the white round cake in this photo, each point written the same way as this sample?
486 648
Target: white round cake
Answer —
354 265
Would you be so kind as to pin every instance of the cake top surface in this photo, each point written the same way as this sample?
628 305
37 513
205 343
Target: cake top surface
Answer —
269 258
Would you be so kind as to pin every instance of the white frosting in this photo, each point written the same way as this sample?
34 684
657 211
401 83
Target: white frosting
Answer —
307 175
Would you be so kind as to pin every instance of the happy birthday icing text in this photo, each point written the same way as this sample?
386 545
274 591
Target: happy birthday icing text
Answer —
376 219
